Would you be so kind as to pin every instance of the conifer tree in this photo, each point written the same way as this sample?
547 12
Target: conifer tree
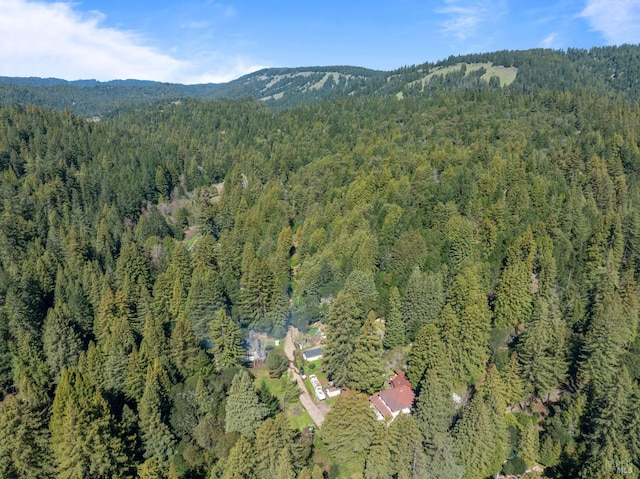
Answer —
154 341
143 308
604 250
459 232
105 313
316 472
256 293
305 473
183 348
364 245
230 261
394 334
428 353
25 452
105 245
614 461
405 444
633 424
136 375
180 267
284 468
467 324
366 371
240 463
529 444
272 438
151 469
378 464
434 408
132 263
440 461
61 342
360 284
203 253
349 428
542 349
277 316
434 415
205 298
28 362
281 259
342 330
513 295
511 377
91 365
80 308
269 444
475 322
546 267
422 301
227 346
479 445
448 326
244 411
162 296
611 328
608 438
117 348
83 438
153 410
178 298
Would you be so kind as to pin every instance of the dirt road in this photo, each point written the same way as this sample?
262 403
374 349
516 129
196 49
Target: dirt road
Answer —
316 411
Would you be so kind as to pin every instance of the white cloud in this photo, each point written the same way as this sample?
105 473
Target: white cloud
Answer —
617 20
228 69
54 40
548 40
462 19
227 10
466 16
195 25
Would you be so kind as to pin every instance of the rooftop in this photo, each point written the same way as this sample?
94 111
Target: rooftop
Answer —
380 406
310 353
400 380
398 397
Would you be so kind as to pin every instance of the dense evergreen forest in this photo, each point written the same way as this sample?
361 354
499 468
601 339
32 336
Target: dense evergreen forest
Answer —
486 240
612 71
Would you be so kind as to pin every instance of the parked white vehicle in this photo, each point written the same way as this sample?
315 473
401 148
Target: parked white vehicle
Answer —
318 387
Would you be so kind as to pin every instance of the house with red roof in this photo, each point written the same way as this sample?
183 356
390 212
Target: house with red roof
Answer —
397 399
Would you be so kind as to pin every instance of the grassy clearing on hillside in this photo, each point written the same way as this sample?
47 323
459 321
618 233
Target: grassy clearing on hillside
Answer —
192 235
299 417
295 412
506 74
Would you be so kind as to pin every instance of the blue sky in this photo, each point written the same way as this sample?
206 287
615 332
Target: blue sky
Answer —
215 41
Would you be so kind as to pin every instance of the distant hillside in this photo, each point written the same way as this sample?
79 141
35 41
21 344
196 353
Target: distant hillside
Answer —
93 98
608 71
292 86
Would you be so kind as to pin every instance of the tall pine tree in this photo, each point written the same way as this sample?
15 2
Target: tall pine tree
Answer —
366 371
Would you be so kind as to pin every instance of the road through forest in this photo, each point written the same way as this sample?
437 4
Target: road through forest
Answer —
316 411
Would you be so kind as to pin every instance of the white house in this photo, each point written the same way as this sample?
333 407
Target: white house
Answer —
312 354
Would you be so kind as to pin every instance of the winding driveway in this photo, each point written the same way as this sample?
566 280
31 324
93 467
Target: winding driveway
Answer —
316 411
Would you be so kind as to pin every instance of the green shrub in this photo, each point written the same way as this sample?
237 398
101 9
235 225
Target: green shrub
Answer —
514 467
277 364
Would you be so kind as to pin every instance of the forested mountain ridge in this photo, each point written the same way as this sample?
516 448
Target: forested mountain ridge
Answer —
608 71
495 230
